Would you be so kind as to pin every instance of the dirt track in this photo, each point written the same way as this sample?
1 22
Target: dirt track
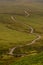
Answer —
31 32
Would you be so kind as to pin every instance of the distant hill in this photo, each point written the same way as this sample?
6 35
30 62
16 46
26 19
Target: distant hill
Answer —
24 0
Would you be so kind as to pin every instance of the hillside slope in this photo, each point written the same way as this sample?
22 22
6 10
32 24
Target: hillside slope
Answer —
22 0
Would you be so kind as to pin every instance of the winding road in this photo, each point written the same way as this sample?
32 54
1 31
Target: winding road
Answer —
31 32
13 18
26 13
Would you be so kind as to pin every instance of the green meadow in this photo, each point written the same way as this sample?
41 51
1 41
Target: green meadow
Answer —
16 33
35 59
11 37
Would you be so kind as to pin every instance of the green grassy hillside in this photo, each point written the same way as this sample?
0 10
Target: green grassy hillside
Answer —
15 33
10 37
35 59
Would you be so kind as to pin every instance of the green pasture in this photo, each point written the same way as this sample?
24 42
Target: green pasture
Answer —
15 33
35 59
12 36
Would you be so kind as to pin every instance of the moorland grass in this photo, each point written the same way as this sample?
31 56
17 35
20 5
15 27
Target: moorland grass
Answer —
11 36
34 59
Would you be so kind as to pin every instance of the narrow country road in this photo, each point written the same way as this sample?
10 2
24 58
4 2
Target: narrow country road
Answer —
31 32
13 18
11 51
26 13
